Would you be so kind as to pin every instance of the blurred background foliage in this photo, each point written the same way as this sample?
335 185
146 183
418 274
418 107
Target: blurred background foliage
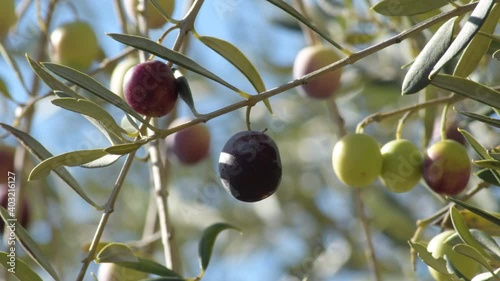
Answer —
309 228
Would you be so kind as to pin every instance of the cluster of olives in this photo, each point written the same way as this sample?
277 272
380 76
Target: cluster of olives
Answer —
358 161
249 164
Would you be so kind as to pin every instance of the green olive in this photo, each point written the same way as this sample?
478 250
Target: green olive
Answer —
357 160
402 165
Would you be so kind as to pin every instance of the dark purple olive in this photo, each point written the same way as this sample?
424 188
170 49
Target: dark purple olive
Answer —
150 88
250 166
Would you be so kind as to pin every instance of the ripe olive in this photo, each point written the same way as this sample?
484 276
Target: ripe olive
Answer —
402 165
153 17
357 160
446 168
313 58
250 166
439 249
191 145
74 45
150 88
6 162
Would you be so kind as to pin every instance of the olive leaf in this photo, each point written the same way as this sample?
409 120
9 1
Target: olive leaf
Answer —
407 7
208 240
41 153
470 28
23 272
29 245
417 76
479 45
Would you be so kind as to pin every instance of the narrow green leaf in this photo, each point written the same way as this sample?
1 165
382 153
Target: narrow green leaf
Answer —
494 155
472 253
207 242
41 153
122 149
116 252
93 86
71 159
97 115
50 80
417 76
29 245
475 144
22 271
232 54
438 264
468 88
487 176
185 91
298 16
478 47
152 267
486 276
488 164
123 255
494 219
486 241
482 118
470 28
407 7
161 51
463 231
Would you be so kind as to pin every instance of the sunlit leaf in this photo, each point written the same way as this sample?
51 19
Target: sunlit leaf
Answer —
478 47
481 118
123 255
487 163
232 54
468 88
488 216
70 159
116 252
485 240
481 151
93 86
29 245
122 149
22 271
292 12
97 115
472 253
407 7
175 57
41 153
438 264
417 76
463 231
207 242
469 29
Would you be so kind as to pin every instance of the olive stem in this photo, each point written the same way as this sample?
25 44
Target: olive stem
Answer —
443 121
118 4
337 118
105 216
310 36
370 250
401 122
